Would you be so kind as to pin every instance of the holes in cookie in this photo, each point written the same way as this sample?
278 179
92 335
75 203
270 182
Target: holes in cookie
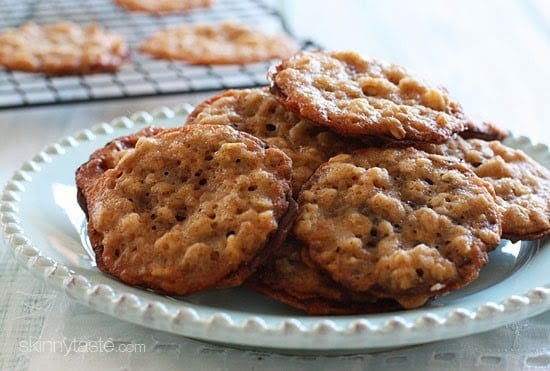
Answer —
270 127
117 253
252 188
154 228
153 216
229 234
419 272
208 157
429 181
181 215
238 160
166 173
202 182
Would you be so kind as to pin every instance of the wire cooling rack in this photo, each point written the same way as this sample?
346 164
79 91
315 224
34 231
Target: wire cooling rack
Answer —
143 75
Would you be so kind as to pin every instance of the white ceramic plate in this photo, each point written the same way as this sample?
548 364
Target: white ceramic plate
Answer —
43 225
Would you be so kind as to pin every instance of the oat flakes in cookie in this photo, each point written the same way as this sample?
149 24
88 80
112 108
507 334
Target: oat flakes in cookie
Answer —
62 48
164 6
287 278
257 112
189 209
104 159
217 43
398 223
522 185
359 96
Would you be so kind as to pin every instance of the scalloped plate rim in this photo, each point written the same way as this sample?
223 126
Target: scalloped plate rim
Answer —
302 333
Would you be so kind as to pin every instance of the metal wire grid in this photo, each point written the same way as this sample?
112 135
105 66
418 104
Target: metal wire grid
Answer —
143 75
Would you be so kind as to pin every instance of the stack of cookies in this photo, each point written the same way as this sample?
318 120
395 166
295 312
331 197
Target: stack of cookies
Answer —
348 185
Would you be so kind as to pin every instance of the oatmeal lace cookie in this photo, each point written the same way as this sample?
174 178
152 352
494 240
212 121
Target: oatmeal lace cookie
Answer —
164 6
287 278
398 223
257 112
522 185
190 208
62 48
217 43
104 159
356 96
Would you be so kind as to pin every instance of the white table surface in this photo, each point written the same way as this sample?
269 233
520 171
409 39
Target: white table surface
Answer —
493 56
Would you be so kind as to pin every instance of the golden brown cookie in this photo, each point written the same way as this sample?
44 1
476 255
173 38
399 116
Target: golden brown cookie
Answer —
257 112
357 96
398 222
164 6
104 159
287 278
62 48
522 185
217 43
189 209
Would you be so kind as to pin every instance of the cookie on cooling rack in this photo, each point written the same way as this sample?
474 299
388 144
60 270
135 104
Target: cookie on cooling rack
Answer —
358 96
164 6
398 223
217 43
257 112
189 209
287 278
104 159
62 48
522 185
